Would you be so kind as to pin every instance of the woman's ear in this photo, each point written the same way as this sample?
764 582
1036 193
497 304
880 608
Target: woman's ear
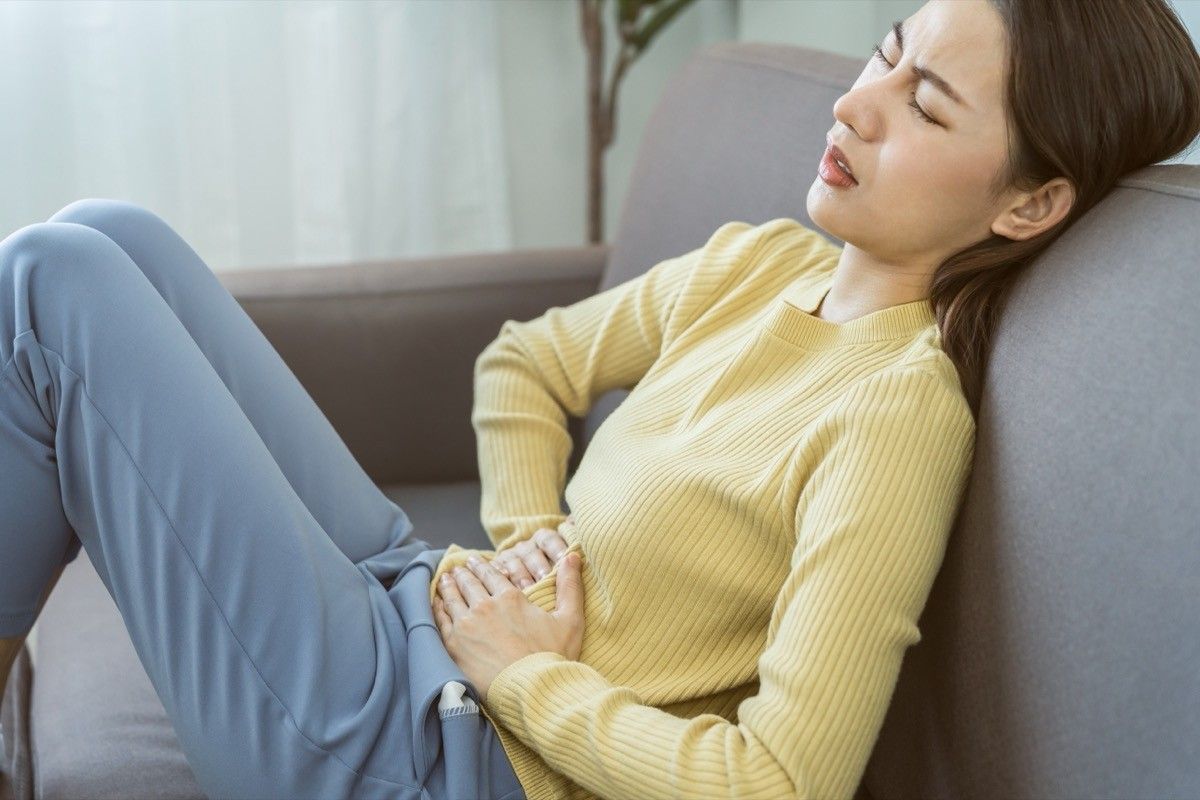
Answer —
1033 213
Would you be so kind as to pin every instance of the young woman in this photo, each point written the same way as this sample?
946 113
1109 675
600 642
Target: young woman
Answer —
758 523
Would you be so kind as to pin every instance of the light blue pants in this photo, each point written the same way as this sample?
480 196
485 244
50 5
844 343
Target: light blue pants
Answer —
275 596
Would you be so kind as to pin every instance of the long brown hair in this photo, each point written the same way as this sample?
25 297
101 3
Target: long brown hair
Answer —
1095 89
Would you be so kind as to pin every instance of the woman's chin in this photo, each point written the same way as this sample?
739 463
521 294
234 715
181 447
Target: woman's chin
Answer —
822 210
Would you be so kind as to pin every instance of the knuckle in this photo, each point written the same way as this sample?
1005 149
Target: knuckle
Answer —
490 614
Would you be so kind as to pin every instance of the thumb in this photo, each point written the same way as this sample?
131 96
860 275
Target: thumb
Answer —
569 587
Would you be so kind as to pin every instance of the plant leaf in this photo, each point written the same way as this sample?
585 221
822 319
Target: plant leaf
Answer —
662 15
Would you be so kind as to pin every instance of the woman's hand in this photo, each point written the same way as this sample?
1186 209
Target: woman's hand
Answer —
529 561
488 623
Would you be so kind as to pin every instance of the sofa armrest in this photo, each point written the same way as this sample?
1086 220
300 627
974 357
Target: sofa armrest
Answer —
387 349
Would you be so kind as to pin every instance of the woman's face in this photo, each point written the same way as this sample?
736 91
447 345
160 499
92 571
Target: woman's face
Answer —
922 191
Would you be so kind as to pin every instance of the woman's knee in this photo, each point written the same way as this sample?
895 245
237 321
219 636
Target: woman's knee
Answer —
102 212
147 238
58 260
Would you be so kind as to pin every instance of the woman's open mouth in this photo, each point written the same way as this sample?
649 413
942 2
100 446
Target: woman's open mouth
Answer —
832 172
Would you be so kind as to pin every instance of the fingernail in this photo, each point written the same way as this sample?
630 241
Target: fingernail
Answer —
474 560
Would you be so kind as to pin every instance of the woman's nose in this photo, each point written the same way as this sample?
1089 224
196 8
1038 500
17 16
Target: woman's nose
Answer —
859 108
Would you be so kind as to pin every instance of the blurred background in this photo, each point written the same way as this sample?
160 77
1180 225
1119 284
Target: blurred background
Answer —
274 133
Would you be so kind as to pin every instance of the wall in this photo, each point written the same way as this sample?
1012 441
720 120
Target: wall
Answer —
542 59
848 27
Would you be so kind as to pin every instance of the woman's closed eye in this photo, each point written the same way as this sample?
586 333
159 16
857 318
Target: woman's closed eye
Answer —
913 97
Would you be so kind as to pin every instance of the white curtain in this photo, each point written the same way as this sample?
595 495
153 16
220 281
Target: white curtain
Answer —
268 133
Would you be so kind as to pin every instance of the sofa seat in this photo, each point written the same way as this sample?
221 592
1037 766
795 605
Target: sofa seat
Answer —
443 513
89 723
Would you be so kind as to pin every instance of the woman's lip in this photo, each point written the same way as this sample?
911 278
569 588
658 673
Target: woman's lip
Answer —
831 173
840 156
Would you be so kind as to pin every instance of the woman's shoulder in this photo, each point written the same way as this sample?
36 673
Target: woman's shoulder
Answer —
780 249
926 354
922 386
785 231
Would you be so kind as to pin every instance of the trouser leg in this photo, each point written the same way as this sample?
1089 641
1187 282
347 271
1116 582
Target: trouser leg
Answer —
271 649
345 502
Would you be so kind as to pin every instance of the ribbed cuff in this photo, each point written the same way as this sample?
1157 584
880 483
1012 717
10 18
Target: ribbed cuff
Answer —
546 679
503 692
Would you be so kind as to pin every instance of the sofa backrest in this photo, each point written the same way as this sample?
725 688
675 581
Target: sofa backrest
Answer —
1061 639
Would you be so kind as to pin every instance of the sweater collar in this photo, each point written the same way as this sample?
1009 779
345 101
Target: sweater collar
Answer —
791 317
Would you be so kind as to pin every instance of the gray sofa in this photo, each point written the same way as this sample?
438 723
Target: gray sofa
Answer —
1061 639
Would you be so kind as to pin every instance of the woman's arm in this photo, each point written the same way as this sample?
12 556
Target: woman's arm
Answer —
536 373
871 527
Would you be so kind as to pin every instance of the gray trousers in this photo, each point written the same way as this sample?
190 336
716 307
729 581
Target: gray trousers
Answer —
275 596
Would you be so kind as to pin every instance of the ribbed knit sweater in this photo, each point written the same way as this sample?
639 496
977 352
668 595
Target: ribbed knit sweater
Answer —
760 520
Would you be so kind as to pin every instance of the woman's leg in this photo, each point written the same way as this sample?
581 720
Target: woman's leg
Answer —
343 499
278 659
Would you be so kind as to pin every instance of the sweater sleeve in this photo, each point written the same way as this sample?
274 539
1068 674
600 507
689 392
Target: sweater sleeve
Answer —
535 373
872 521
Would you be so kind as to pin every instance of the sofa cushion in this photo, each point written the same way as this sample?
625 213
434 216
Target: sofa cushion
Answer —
96 728
443 513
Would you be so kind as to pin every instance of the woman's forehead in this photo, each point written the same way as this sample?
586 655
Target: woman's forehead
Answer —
961 41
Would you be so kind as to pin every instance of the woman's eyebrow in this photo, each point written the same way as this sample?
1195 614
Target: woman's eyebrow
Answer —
924 72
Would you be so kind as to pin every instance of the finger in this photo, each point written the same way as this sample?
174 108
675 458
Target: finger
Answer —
469 586
440 617
569 589
508 564
516 571
536 562
452 599
489 576
551 543
540 556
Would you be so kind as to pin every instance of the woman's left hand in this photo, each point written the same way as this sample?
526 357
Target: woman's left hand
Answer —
488 623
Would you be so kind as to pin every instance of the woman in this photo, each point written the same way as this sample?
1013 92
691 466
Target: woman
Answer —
759 522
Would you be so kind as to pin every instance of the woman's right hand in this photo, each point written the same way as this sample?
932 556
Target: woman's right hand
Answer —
529 561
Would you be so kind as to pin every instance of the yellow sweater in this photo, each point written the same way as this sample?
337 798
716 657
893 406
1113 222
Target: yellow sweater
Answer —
761 521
